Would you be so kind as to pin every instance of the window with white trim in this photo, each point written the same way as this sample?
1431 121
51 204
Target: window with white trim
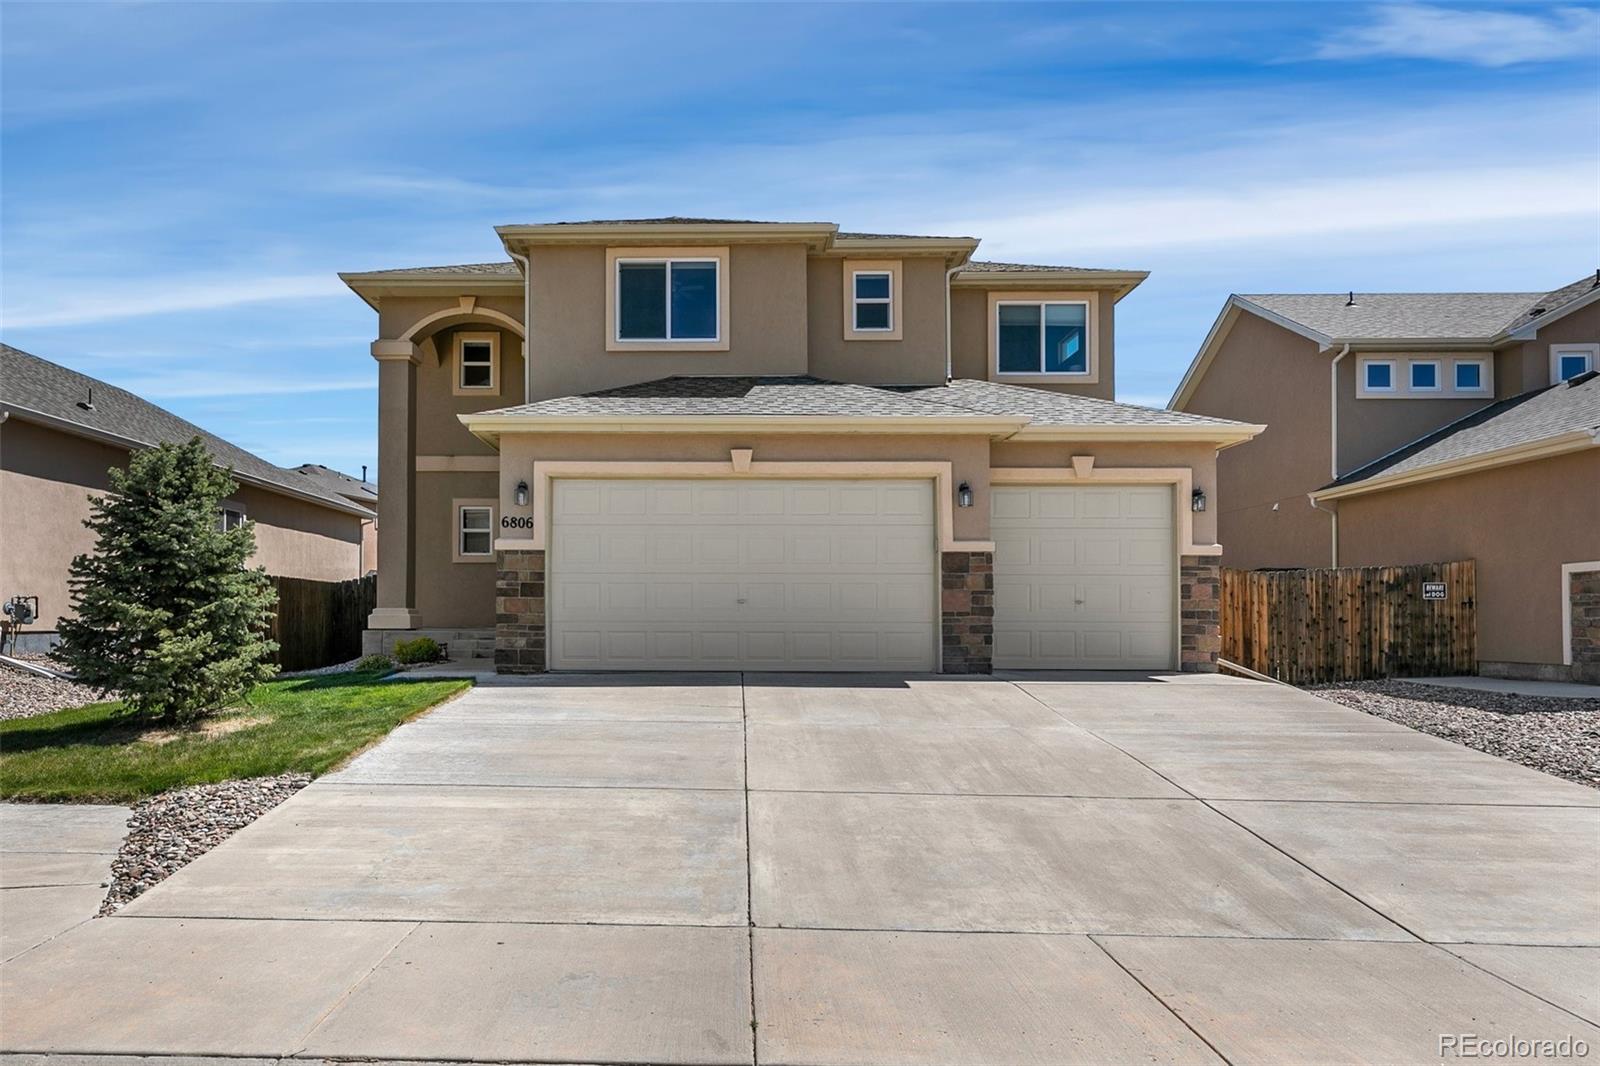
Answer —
1377 375
1570 360
230 518
1424 375
1042 337
474 531
872 301
1471 375
477 363
667 299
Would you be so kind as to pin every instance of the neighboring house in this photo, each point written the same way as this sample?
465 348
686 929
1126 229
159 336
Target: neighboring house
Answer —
1410 427
694 444
60 431
356 490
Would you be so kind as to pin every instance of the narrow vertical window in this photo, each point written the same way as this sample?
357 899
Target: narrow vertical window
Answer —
475 531
873 301
477 362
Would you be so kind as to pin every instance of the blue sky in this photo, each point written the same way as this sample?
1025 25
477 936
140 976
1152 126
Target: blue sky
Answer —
182 181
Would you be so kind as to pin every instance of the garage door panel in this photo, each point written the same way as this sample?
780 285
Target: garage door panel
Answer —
1084 576
758 575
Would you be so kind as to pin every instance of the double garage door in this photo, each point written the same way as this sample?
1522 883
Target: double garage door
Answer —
843 575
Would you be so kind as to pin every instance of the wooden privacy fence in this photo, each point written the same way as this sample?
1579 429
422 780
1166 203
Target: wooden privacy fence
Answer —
319 623
1352 623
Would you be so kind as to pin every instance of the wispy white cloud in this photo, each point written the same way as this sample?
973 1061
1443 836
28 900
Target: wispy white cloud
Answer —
189 383
1468 35
82 300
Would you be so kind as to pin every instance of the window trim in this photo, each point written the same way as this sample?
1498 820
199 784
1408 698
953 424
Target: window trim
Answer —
1367 389
458 366
1485 377
1590 352
458 509
1411 375
1091 316
615 257
891 267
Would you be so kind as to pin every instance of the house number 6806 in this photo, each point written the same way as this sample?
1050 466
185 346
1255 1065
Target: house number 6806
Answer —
514 521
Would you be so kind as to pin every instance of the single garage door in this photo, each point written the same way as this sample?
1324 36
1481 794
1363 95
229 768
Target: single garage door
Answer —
1083 577
761 575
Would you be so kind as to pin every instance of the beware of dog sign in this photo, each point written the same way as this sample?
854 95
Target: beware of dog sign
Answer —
1433 590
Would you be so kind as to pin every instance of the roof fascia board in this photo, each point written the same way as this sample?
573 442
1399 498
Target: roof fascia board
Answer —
372 288
1529 330
608 423
1574 441
1121 282
1225 435
78 429
818 235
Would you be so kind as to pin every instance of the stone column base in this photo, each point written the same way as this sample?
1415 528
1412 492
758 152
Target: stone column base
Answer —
519 622
1584 598
394 618
966 612
1199 597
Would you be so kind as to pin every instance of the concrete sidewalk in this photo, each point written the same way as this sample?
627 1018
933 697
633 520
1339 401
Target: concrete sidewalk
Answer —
55 863
861 869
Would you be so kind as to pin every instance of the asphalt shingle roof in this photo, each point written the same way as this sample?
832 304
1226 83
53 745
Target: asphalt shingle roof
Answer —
1054 408
1526 419
339 483
679 396
984 266
1399 315
1556 299
508 269
29 383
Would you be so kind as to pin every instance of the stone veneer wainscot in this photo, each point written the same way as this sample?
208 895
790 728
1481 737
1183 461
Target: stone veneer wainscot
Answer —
519 626
1585 636
1200 601
966 608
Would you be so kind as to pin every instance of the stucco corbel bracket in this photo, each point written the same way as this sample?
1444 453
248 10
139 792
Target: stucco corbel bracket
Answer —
383 350
741 459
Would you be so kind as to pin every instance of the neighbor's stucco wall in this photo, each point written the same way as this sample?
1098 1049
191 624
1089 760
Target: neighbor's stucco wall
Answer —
47 477
1526 366
1372 427
1519 522
969 338
1265 374
916 359
766 328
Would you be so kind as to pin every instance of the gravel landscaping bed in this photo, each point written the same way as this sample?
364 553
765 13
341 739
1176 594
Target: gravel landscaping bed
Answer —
24 695
169 831
1557 735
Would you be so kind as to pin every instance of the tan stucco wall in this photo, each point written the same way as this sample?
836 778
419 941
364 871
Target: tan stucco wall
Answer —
969 337
1266 374
916 359
1519 522
46 478
450 593
1373 427
1526 366
439 431
767 326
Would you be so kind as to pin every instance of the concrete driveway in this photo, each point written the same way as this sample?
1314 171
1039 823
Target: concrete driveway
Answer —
832 869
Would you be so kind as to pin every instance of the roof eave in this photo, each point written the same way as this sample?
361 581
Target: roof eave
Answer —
954 250
1530 329
1120 282
818 235
1223 436
374 286
1561 444
489 426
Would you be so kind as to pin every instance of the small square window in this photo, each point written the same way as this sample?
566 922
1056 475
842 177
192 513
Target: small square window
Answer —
1469 377
477 365
873 301
1379 377
476 531
1571 364
1425 376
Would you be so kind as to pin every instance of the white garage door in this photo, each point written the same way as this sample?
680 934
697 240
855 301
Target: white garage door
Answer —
761 575
1083 577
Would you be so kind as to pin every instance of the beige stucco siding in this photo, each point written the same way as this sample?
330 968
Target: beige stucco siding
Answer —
1265 374
767 325
47 477
1519 522
969 336
916 359
1370 428
439 431
1526 366
450 594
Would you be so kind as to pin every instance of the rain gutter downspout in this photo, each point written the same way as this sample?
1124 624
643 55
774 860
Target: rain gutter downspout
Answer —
949 361
1311 498
1333 413
527 326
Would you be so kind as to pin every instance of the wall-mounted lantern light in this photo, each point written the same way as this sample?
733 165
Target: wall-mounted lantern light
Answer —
964 495
1197 500
522 494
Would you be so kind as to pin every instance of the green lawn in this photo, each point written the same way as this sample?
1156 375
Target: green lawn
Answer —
307 724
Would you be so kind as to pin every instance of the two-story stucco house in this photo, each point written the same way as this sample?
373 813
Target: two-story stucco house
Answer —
692 443
1422 427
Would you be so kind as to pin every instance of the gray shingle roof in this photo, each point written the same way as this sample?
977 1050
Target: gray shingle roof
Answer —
29 383
799 395
1526 419
339 483
1054 408
1556 299
679 396
982 266
508 269
1399 315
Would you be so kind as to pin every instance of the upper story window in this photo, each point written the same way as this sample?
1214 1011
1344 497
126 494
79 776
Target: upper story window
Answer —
873 300
1424 375
230 518
1046 337
1377 375
477 358
1471 375
667 300
1567 361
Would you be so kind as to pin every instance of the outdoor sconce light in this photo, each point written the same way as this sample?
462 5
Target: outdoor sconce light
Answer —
964 495
1197 500
522 494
